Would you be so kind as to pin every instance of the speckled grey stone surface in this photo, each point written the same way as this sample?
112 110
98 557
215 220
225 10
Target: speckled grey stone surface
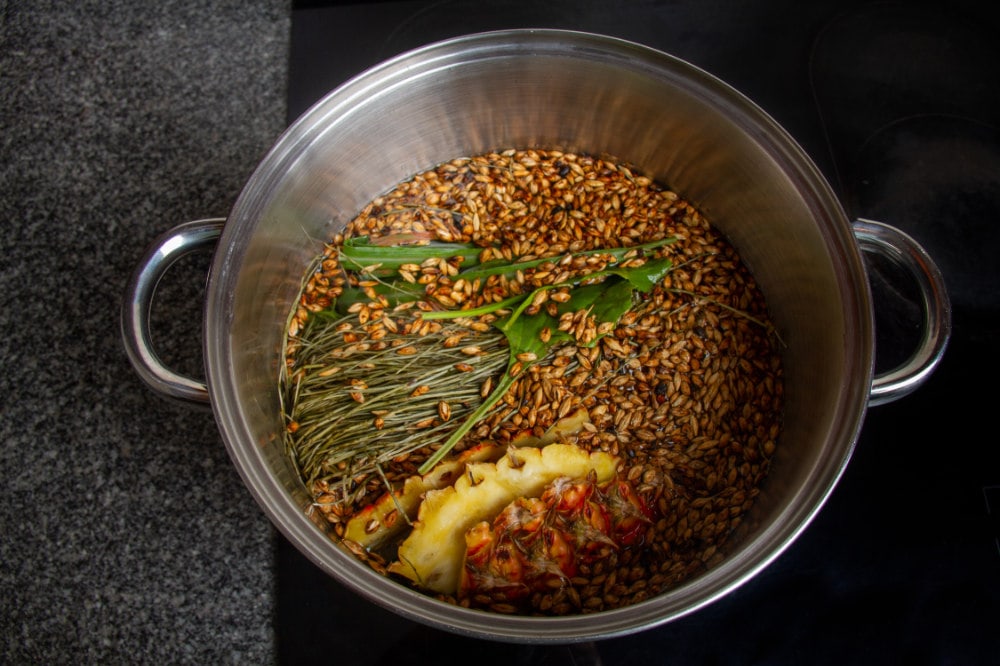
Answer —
126 535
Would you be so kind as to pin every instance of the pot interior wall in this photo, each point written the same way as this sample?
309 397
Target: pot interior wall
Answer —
574 93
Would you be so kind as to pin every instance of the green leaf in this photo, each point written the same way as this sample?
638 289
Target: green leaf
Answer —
501 267
644 277
395 292
505 304
607 300
360 252
524 334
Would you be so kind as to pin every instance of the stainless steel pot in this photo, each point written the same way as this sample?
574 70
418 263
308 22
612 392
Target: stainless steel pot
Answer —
577 92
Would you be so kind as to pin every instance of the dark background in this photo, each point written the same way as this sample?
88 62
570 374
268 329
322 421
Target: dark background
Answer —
899 105
127 536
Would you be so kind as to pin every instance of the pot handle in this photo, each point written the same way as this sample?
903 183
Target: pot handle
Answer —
904 251
162 253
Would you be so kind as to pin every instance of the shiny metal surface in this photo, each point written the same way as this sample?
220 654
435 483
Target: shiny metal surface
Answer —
581 93
162 253
936 330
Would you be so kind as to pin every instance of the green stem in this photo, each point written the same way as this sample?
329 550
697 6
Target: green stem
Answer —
503 267
473 312
484 408
359 254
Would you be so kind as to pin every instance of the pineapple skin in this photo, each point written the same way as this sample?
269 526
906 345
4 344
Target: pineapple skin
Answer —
384 514
432 555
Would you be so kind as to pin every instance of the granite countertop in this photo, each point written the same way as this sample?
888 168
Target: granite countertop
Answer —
128 536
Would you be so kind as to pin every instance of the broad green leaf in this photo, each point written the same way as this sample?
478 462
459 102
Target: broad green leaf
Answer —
524 334
611 302
644 277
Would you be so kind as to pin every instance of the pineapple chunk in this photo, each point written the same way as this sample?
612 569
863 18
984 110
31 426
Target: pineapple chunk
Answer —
377 523
432 555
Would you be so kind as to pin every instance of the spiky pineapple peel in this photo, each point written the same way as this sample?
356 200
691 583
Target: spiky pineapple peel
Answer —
432 555
538 544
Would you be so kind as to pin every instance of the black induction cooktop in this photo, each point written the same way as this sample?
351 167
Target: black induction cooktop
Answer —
899 105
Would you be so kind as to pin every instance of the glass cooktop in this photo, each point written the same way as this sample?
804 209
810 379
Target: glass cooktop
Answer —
898 104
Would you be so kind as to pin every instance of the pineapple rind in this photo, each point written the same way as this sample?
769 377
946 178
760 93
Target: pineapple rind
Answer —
385 511
432 554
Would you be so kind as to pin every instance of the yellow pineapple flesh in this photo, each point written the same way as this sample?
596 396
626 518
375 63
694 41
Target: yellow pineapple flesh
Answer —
432 555
388 517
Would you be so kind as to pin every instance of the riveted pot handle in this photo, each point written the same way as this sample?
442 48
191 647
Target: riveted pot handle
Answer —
162 253
905 252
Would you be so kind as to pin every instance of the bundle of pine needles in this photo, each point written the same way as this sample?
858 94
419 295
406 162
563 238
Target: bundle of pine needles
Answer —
353 404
